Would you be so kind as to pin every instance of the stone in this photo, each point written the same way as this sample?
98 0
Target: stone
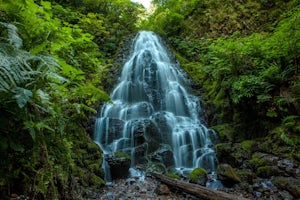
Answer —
224 152
289 184
119 167
164 154
227 175
198 176
162 189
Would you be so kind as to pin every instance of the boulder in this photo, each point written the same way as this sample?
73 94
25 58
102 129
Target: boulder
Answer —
198 176
164 155
227 175
289 184
119 166
162 190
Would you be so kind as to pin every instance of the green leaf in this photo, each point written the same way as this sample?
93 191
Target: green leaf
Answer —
44 97
30 126
16 146
22 96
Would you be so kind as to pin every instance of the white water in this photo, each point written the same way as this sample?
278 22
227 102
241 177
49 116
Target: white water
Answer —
151 106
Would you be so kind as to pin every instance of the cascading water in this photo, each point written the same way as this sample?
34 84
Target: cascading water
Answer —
152 116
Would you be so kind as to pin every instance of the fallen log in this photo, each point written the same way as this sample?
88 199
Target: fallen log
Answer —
197 190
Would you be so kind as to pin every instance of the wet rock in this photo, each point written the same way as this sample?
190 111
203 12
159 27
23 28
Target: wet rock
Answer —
140 154
285 195
119 167
289 167
145 131
164 154
113 129
227 175
289 184
162 190
161 120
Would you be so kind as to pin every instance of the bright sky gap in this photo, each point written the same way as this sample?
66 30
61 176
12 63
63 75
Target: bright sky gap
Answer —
145 3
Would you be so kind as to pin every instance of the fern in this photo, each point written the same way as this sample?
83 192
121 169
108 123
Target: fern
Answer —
12 35
20 70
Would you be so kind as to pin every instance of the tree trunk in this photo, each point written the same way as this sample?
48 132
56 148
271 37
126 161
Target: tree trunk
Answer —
197 190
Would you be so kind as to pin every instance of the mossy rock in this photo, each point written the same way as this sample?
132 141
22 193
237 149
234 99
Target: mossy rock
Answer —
199 176
120 154
96 168
246 175
175 176
96 181
92 147
225 153
156 167
289 184
267 171
119 167
258 161
248 146
227 175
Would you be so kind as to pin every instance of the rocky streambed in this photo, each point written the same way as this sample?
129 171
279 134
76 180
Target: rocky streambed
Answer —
141 188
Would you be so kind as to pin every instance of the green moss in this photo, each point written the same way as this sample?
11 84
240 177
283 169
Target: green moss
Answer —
93 148
196 174
175 176
96 180
225 131
119 154
223 149
257 162
266 171
225 170
156 167
96 168
248 145
246 175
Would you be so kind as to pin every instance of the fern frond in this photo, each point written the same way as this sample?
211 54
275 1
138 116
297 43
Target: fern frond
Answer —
12 35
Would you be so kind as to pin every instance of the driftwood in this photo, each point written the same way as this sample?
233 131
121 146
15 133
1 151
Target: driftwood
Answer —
197 190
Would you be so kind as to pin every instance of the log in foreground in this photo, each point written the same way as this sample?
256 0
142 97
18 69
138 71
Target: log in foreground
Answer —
197 190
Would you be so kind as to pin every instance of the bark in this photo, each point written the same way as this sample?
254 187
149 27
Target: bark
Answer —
197 190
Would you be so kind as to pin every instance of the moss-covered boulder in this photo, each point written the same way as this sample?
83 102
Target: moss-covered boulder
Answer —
119 165
289 184
198 176
227 175
246 175
267 171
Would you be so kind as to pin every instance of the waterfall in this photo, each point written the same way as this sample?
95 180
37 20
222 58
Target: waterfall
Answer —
152 116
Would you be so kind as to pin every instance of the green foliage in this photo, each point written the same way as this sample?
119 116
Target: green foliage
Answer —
50 84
